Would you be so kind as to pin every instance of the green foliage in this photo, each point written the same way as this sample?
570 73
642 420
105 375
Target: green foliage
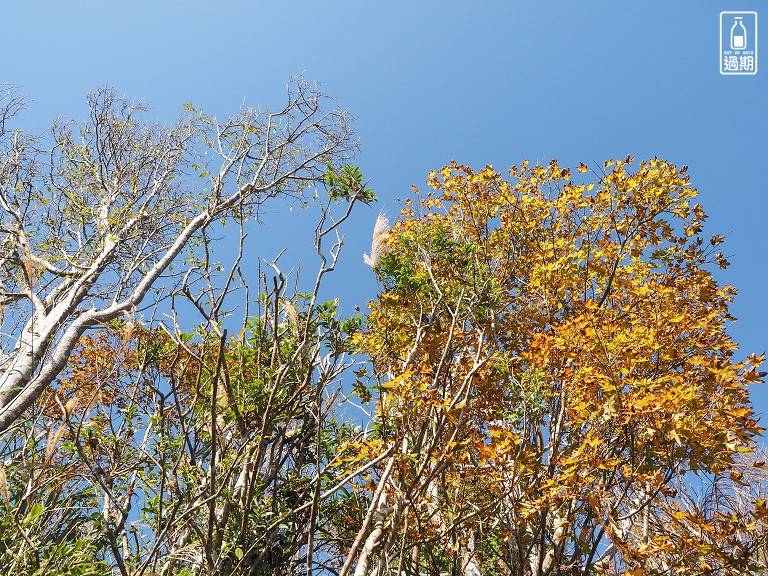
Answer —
346 183
218 446
46 528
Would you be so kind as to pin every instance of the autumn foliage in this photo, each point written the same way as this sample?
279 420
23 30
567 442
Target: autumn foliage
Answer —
548 388
554 371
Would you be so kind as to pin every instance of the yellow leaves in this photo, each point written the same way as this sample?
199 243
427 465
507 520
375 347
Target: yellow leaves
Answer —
673 434
351 453
592 291
739 412
487 174
581 411
594 441
502 442
399 382
760 510
611 406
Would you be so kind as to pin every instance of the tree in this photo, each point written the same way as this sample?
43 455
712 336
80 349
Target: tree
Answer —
550 369
553 387
94 214
180 453
183 457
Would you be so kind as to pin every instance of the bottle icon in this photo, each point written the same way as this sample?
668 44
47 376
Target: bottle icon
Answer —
738 35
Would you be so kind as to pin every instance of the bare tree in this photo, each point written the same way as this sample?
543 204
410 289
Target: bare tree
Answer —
93 214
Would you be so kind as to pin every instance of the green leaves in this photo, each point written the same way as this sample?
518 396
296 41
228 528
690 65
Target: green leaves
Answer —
347 184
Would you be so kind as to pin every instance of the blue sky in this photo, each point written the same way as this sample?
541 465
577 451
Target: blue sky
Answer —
481 83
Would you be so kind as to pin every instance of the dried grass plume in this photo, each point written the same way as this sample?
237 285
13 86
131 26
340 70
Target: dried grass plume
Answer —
380 233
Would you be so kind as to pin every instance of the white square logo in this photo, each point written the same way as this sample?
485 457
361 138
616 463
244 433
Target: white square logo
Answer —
738 43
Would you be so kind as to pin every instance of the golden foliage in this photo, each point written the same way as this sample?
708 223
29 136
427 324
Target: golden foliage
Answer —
559 350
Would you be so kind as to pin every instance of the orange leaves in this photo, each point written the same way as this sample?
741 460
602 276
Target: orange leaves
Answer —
568 338
502 441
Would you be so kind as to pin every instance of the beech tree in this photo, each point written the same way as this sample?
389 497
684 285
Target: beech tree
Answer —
93 214
552 374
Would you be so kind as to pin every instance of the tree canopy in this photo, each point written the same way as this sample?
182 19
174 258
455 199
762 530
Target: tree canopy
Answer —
554 371
94 214
544 385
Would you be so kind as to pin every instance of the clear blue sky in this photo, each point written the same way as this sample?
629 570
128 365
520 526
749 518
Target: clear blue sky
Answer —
478 82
